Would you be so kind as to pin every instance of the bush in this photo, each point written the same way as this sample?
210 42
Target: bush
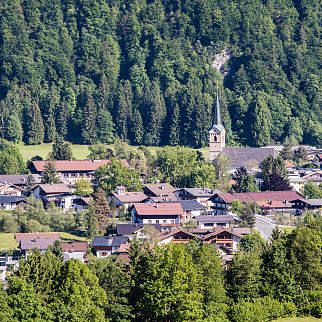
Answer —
261 310
310 303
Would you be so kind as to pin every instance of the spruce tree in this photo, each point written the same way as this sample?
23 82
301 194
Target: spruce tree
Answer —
102 210
89 121
137 128
174 134
105 127
35 130
61 150
50 175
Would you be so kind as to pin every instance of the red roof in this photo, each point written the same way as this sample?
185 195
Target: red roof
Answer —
54 188
29 236
273 204
130 197
74 165
170 208
74 246
288 195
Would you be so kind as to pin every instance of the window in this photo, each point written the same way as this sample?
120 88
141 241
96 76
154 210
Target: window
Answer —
164 221
149 221
103 253
208 224
172 221
157 221
221 224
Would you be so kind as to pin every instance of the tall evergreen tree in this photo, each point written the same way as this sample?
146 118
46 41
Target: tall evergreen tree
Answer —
174 137
89 121
61 150
137 127
35 132
105 127
50 175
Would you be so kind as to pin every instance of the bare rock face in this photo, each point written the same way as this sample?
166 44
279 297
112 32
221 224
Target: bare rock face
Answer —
220 61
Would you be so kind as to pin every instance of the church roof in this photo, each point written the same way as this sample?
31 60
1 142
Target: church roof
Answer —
246 156
217 122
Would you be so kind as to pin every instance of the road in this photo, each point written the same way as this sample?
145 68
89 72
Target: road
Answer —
264 226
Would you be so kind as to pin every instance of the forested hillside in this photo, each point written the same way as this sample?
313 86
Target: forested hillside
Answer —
143 70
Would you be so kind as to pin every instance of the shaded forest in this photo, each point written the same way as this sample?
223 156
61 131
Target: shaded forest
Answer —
143 70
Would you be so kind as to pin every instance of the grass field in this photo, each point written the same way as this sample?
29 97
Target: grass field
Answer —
8 242
80 152
307 319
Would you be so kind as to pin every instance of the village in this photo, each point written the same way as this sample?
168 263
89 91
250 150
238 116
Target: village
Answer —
161 213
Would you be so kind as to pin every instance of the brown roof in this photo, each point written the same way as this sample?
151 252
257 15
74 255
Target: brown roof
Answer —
159 189
257 196
175 231
170 208
273 204
124 248
74 246
74 165
239 232
55 188
18 179
130 197
29 236
289 164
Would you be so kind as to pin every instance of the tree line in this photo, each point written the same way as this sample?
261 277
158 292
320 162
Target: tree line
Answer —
176 282
93 70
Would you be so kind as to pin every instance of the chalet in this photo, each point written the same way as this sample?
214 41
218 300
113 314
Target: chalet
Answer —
9 189
170 198
201 195
11 202
105 246
122 198
72 170
313 177
74 249
134 230
177 236
207 222
159 189
226 237
158 213
267 200
192 208
19 180
312 204
81 203
26 236
60 194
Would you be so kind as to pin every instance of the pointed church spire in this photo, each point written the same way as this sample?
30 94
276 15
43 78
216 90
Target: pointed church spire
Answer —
218 115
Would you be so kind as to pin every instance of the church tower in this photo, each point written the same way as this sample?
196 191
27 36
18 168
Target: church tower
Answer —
217 135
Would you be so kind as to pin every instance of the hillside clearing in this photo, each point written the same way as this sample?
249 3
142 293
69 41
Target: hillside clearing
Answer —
306 319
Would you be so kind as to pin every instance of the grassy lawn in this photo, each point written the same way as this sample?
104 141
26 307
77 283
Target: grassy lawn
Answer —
307 319
8 242
80 152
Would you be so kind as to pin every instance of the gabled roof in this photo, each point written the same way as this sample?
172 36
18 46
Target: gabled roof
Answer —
239 232
190 205
28 236
273 204
74 246
12 199
217 219
146 209
312 202
103 241
201 192
130 197
129 229
54 188
42 244
176 231
257 196
74 165
169 198
159 189
18 179
246 156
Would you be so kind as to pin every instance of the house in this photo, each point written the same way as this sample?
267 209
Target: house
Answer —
269 200
74 249
26 236
11 202
122 198
9 189
134 230
201 195
313 177
207 222
19 180
80 203
158 213
312 204
60 194
192 208
27 246
73 170
228 238
105 246
177 236
296 181
250 158
170 198
159 189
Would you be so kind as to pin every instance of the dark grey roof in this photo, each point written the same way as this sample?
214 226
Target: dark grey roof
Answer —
201 192
100 241
313 202
12 199
129 229
41 244
18 179
191 205
216 219
245 156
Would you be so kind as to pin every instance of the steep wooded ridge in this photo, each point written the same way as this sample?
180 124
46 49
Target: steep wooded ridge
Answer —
90 70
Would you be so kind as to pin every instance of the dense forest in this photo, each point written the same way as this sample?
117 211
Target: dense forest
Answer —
176 282
147 71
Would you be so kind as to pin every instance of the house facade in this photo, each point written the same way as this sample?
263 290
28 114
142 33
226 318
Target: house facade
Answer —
11 202
208 222
200 195
105 246
122 198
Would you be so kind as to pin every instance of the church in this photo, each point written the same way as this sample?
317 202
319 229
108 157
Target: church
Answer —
247 157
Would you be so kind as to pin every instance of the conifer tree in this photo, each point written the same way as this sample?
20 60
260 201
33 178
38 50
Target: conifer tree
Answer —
174 137
61 150
137 127
35 130
89 121
105 127
102 210
50 175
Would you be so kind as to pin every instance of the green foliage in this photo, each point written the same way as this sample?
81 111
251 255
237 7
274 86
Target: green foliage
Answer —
311 191
11 161
61 150
50 175
83 187
244 181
